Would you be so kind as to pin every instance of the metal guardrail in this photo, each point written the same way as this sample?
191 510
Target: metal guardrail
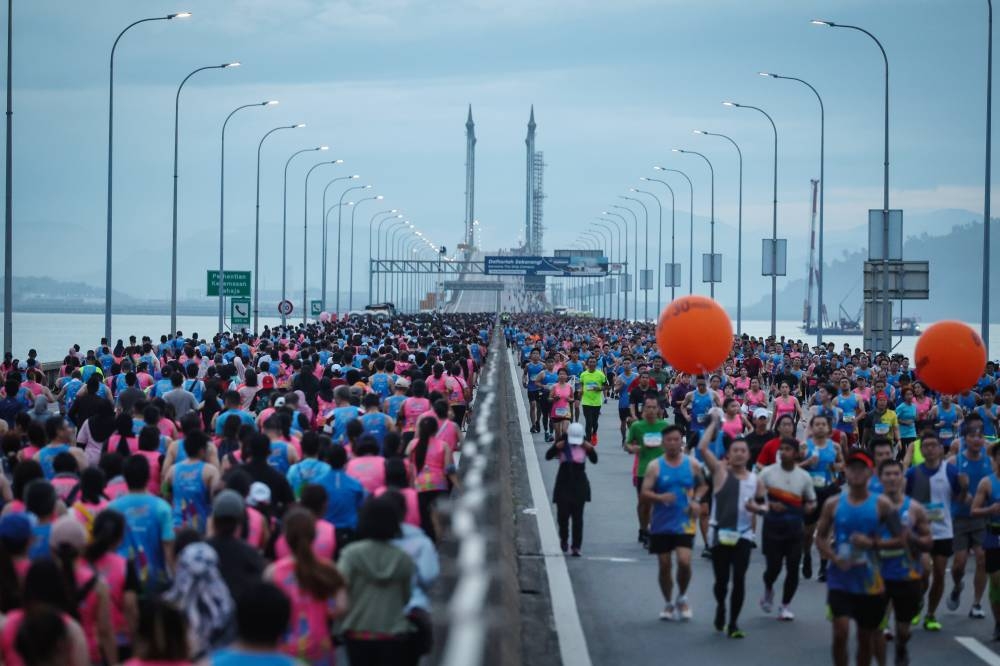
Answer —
471 578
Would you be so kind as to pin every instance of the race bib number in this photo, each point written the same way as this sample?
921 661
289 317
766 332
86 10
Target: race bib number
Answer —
702 419
935 512
947 433
881 429
562 411
848 418
819 480
652 439
888 554
592 386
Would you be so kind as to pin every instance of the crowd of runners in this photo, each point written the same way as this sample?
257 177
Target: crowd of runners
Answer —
839 463
235 500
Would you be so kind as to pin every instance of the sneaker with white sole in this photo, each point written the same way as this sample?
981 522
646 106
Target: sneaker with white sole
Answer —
684 609
786 614
767 601
955 598
668 614
977 613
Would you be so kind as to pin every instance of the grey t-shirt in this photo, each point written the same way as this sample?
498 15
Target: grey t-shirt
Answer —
183 401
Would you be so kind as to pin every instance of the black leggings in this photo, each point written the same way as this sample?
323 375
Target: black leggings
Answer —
544 409
789 551
735 560
591 413
566 511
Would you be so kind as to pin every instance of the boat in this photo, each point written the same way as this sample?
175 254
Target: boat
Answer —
907 327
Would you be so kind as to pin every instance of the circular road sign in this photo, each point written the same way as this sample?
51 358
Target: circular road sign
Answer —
285 308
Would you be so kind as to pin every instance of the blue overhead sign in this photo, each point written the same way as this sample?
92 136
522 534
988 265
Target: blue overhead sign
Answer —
575 266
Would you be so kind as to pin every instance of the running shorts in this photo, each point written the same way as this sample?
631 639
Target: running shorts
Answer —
943 548
905 596
666 543
624 413
822 495
992 560
534 396
865 609
969 533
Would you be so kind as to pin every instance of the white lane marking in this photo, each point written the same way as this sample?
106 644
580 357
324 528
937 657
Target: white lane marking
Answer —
975 647
615 560
572 641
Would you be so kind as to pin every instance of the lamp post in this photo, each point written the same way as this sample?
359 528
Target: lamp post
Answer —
305 237
612 224
984 329
350 281
256 232
659 246
390 250
602 229
371 225
8 258
739 232
673 235
887 305
822 191
378 250
173 240
625 225
222 206
645 267
635 258
326 214
711 169
774 219
339 235
592 243
690 224
284 225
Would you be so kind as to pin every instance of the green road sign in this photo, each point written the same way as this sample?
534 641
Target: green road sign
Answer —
237 283
239 312
315 308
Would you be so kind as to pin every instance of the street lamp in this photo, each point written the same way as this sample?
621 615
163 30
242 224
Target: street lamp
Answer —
625 225
325 226
8 257
887 305
305 237
390 250
635 258
645 211
618 230
339 235
284 225
605 228
256 231
774 219
222 206
673 236
739 233
711 169
173 243
984 327
822 191
690 224
350 281
371 224
397 219
659 246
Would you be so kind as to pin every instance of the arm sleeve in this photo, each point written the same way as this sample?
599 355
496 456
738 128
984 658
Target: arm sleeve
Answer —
166 521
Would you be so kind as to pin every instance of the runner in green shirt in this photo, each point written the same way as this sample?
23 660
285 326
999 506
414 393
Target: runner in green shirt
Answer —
644 440
595 385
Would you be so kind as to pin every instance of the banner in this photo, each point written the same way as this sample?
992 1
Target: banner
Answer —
575 266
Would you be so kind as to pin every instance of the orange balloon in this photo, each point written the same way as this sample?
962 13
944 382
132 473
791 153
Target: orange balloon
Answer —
950 357
694 334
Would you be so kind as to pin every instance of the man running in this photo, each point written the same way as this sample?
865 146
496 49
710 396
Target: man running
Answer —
849 536
737 495
595 386
986 505
645 439
936 484
823 459
790 496
901 559
974 465
673 486
534 371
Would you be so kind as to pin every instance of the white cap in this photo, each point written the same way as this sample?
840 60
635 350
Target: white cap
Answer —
260 494
574 434
336 367
760 412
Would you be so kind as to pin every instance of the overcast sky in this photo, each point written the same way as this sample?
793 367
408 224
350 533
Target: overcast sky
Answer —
386 84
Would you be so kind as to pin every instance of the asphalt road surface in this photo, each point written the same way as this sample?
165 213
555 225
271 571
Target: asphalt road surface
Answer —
618 597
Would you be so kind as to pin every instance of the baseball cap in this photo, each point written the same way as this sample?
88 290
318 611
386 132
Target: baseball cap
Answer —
260 494
858 456
403 382
574 434
279 402
69 531
267 382
761 413
15 527
336 367
228 504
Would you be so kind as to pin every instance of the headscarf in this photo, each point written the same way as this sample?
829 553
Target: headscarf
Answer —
240 368
304 407
200 593
102 422
40 412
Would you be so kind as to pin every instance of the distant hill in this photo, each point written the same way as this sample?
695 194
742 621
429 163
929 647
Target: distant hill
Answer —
955 277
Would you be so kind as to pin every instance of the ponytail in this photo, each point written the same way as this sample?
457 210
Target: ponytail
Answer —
426 429
108 530
65 556
319 579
